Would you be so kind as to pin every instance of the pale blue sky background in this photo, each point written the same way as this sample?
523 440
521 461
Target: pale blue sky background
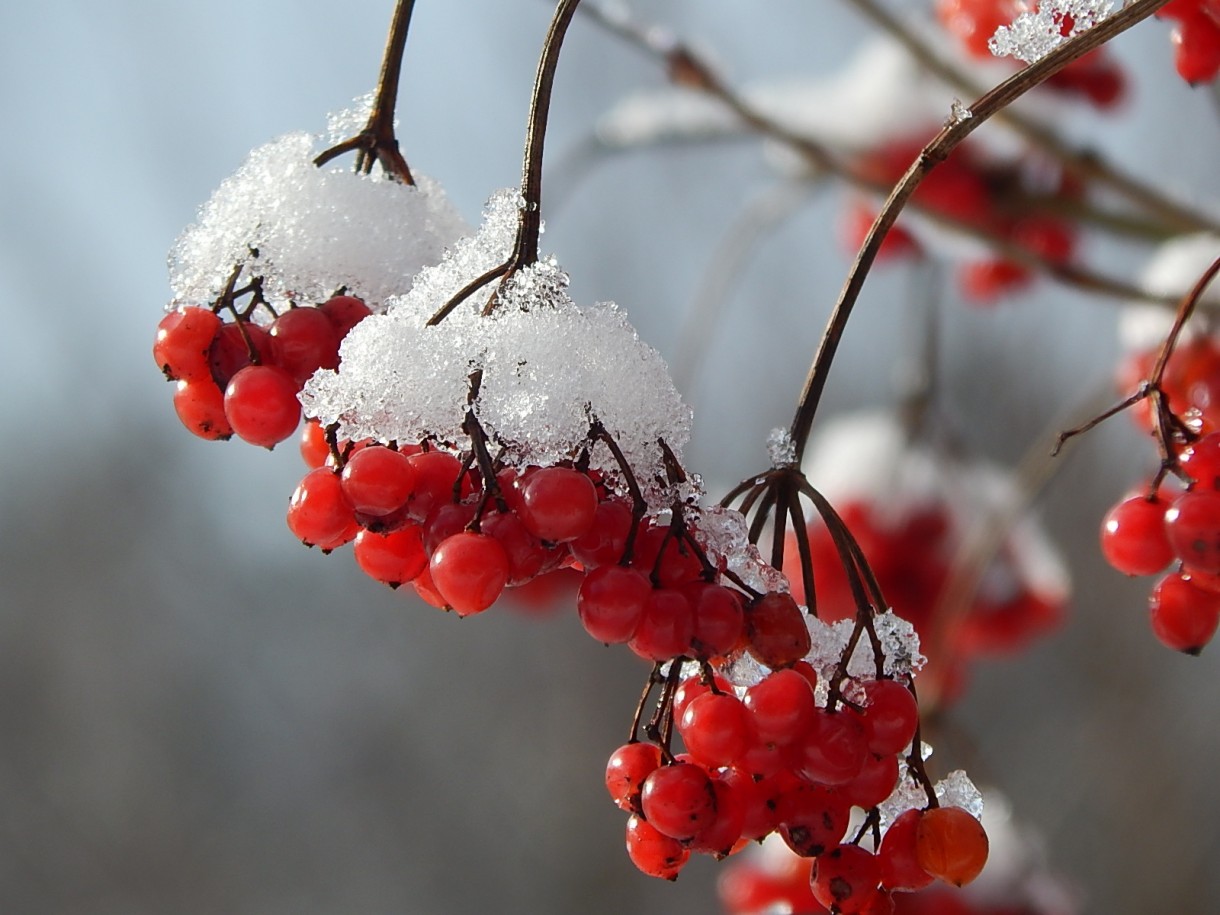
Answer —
200 716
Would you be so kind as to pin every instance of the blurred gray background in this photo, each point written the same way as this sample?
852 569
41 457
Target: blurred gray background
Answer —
197 715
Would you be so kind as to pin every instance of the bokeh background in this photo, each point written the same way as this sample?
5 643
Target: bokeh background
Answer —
197 715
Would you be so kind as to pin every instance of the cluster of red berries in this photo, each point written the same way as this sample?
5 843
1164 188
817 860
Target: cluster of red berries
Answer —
1146 533
912 552
780 882
774 761
1196 38
241 378
1096 77
425 517
990 197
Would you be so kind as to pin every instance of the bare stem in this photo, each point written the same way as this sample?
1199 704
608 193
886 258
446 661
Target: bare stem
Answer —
377 142
935 152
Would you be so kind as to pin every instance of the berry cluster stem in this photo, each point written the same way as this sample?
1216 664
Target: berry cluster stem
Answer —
377 142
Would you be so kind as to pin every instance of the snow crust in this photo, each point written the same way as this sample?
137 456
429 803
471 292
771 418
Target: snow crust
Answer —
1036 33
546 367
308 231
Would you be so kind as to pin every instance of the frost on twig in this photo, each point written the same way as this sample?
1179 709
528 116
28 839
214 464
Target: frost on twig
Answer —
1035 34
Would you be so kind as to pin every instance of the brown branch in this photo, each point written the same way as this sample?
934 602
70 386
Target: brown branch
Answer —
935 152
1086 163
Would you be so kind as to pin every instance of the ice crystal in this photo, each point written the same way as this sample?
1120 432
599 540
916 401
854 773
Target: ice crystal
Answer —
781 447
1035 34
957 790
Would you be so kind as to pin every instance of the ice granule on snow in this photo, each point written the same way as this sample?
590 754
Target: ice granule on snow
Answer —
548 367
781 448
907 794
1033 35
957 790
308 231
725 536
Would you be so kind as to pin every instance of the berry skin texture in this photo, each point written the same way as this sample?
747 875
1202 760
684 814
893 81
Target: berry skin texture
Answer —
655 854
626 771
394 557
1183 617
1133 537
305 341
900 868
611 603
261 405
678 800
775 630
846 878
951 844
717 729
201 408
318 513
378 481
558 504
469 571
183 340
1193 526
891 717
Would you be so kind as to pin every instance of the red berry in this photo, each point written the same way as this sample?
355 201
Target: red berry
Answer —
558 504
846 878
305 341
606 538
776 631
834 747
392 557
655 854
1184 617
900 868
183 341
891 717
1193 527
469 571
611 602
344 312
783 706
314 447
951 844
261 404
678 800
719 838
230 351
666 627
717 729
626 770
812 818
378 480
318 513
201 408
719 619
1133 536
436 473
